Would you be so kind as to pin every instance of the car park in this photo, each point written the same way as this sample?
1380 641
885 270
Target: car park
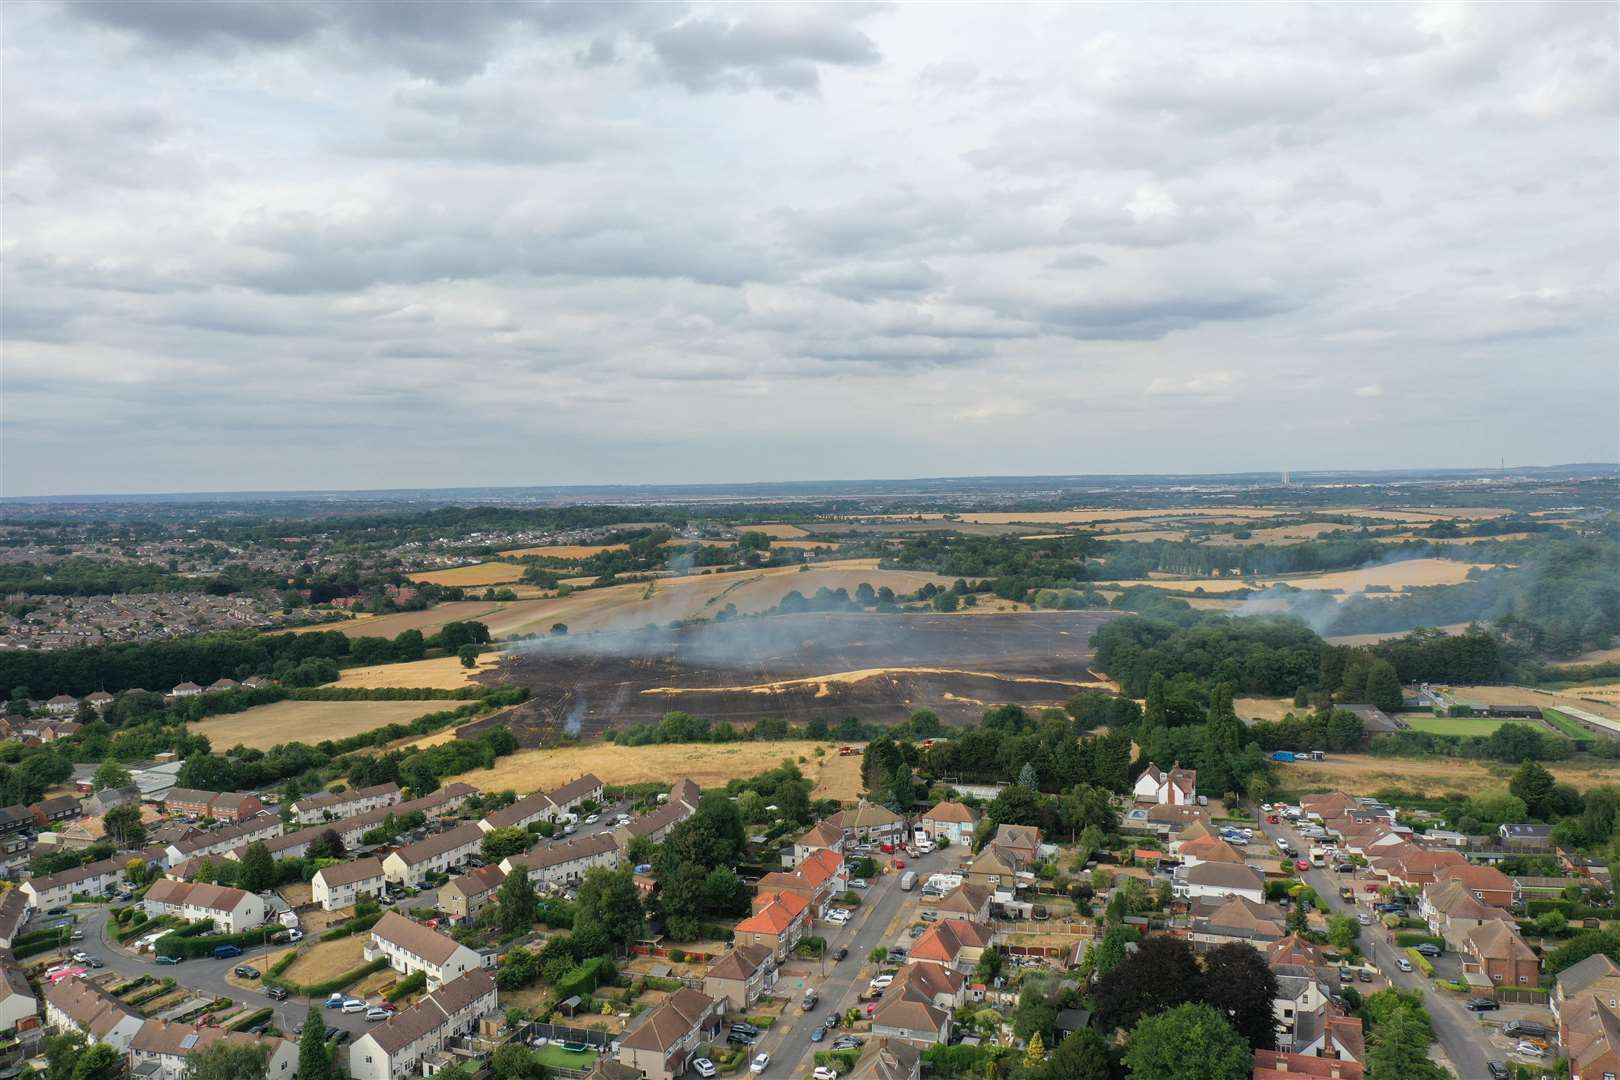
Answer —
703 1067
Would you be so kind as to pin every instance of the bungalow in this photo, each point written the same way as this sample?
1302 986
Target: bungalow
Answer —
222 684
345 884
159 1050
741 977
410 947
1526 836
966 901
62 705
1207 849
1496 950
411 864
950 821
257 682
73 1004
232 911
661 1046
566 861
394 1049
18 1003
780 920
1487 884
953 943
823 836
345 804
1595 977
465 896
819 878
13 914
1219 879
49 812
1330 805
95 879
1234 919
1172 817
887 1059
186 689
1178 787
98 700
869 823
944 987
910 1016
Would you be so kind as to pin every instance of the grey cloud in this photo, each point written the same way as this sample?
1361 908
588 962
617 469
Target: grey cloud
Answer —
455 124
775 48
877 280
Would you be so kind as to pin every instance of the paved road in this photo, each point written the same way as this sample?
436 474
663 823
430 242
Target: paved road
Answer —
788 1041
1459 1031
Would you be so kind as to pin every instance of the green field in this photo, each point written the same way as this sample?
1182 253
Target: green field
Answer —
553 1056
1565 724
1461 725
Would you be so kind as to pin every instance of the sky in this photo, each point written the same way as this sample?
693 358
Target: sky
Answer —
309 244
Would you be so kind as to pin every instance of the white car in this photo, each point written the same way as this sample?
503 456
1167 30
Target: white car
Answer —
1529 1049
881 982
1265 807
592 820
824 1073
857 883
703 1067
759 1064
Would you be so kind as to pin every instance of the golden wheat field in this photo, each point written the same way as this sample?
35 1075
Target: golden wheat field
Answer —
428 621
487 573
1363 774
776 531
264 726
445 673
564 551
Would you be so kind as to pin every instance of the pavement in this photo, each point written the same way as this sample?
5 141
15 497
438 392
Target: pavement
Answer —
875 923
1465 1040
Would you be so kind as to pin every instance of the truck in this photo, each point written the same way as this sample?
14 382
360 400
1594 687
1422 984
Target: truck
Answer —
908 881
1282 755
1318 856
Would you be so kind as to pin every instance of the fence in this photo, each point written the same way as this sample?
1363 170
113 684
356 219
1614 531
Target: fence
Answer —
557 1033
1526 996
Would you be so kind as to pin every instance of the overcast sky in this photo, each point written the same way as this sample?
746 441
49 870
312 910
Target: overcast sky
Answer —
334 245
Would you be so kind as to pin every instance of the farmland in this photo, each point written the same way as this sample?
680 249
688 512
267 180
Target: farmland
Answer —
1464 725
479 574
564 551
710 764
445 673
427 621
265 726
1363 774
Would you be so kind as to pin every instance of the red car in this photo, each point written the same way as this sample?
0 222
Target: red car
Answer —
1271 819
1371 886
887 849
1302 866
899 864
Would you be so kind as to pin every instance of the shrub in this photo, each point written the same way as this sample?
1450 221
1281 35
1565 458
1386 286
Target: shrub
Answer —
585 978
178 944
330 986
1406 941
413 983
258 1016
1421 962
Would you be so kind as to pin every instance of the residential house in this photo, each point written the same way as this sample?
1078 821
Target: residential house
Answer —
662 1045
571 796
780 920
221 806
232 911
219 841
160 1050
1527 836
1590 1034
94 879
953 943
395 1048
104 800
993 866
967 901
951 821
1286 1065
62 705
565 861
293 845
446 800
945 988
681 804
908 1014
345 804
1178 787
887 1059
741 977
73 1004
869 823
13 914
48 812
19 1005
186 689
820 878
1022 842
521 814
465 896
1207 849
1487 884
1453 912
1596 976
409 947
1496 950
1329 805
823 836
438 854
98 700
1217 921
1341 1039
16 818
1167 818
1219 879
345 884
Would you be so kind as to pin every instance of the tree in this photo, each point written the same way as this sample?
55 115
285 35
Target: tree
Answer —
110 774
901 792
1189 1042
1036 1054
468 655
61 1052
314 1060
258 868
1240 985
1399 1047
516 898
123 827
497 844
1160 975
1534 785
99 1062
608 901
1343 932
1081 1056
328 845
985 971
229 1061
514 1061
1028 777
1383 688
1037 1010
1110 951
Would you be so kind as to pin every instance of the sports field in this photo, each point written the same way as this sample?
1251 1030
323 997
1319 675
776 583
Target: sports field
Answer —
1463 725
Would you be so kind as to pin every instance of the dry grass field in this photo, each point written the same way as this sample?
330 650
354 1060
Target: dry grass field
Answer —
565 551
1603 700
329 959
1596 656
1085 517
264 726
1146 536
1282 534
427 621
1363 774
487 573
1398 575
668 599
776 531
710 764
807 545
1250 708
445 673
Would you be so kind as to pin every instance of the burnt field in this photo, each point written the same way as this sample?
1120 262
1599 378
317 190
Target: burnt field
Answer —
797 667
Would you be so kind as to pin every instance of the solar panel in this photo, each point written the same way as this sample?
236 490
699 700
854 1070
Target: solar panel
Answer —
189 1041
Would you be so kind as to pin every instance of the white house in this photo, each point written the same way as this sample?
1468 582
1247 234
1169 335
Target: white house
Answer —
411 864
822 836
344 885
566 860
17 1000
446 800
75 1005
1219 879
1178 787
95 879
394 1049
345 804
410 947
159 1050
951 821
219 841
545 805
231 910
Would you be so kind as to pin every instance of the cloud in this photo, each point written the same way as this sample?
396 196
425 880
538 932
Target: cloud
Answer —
1217 385
779 49
1372 390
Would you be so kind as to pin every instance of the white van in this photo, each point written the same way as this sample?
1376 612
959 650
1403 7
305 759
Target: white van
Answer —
908 881
924 844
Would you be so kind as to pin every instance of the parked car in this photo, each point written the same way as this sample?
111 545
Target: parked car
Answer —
916 931
1483 1004
335 1001
823 1072
1497 1069
592 820
928 916
1346 868
1364 975
857 883
704 1068
376 1014
899 864
1271 819
741 1038
839 953
759 1064
1403 963
94 962
1363 918
817 1034
1302 865
745 1028
245 972
1529 1049
164 959
276 993
354 1005
1429 949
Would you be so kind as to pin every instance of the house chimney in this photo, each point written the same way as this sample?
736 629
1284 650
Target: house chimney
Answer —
1335 1073
1282 1062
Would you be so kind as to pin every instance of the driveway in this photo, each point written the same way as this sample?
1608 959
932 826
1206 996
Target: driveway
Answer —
1466 1042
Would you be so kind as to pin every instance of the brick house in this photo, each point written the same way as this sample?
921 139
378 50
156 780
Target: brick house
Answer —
666 1041
779 922
741 977
1497 950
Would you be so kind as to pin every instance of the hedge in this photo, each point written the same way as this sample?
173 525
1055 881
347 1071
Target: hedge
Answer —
1571 910
192 948
353 926
585 978
1406 941
1421 962
410 984
258 1016
668 986
842 1060
330 986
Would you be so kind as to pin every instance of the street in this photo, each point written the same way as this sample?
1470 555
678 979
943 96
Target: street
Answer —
1457 1030
788 1040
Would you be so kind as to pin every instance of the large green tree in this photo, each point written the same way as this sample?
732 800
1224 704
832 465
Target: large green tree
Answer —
1534 785
1189 1042
258 869
516 900
1399 1047
229 1061
99 1061
1240 985
1082 1056
609 903
110 774
314 1059
123 827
